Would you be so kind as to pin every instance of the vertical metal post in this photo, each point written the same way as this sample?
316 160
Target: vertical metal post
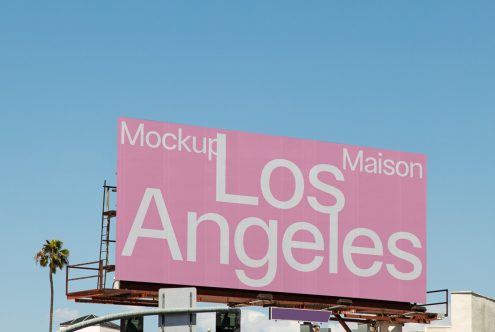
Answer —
162 317
190 315
66 280
102 228
446 303
100 275
107 239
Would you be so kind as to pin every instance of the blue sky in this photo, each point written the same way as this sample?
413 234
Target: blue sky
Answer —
413 76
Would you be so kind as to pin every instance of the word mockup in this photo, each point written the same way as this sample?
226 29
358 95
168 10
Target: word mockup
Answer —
218 208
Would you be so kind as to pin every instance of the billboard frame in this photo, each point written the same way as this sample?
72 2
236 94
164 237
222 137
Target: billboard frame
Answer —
329 247
358 310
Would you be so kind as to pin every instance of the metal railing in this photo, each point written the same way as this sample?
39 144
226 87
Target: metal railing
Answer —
446 302
96 266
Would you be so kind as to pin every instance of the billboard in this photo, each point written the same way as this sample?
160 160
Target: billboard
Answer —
219 208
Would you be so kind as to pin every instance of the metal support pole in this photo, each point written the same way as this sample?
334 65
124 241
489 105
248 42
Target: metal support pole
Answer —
342 322
128 314
100 275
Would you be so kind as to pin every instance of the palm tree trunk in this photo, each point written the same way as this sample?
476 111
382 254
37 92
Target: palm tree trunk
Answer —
51 301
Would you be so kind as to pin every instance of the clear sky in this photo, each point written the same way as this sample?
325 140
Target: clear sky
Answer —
413 76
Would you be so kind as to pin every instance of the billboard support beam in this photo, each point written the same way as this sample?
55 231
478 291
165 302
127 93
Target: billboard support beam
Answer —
342 323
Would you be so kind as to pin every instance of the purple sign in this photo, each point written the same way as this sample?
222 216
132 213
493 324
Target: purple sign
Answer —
300 314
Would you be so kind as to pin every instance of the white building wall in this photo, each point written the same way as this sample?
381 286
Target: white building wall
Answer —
483 313
461 312
470 312
381 327
439 329
95 329
389 327
362 328
106 329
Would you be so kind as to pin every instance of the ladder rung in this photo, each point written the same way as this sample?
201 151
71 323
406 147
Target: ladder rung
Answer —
110 213
109 268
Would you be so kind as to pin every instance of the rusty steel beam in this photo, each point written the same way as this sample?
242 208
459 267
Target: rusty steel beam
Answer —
224 295
361 310
342 323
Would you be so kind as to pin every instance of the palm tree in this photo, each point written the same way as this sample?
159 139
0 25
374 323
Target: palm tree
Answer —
53 256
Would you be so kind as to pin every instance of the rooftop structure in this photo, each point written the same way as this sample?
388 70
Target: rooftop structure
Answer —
471 312
103 327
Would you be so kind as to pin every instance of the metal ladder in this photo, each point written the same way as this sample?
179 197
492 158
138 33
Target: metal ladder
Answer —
106 217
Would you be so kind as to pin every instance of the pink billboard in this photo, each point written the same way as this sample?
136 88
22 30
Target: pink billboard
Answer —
219 208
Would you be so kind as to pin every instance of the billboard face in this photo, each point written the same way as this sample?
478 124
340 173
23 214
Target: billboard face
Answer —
219 208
